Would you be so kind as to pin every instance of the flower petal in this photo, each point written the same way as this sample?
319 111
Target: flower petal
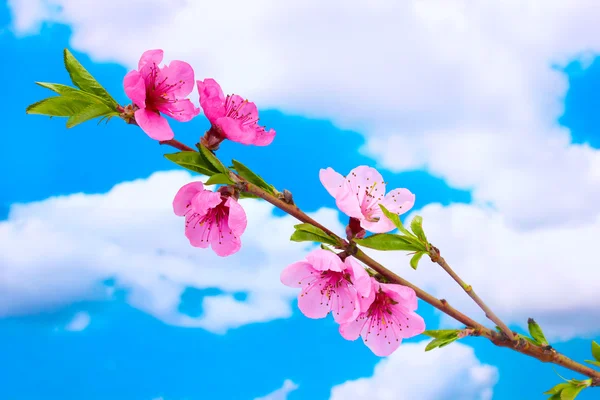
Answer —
264 137
183 198
197 234
325 260
344 304
234 130
148 59
205 201
237 220
153 124
402 294
398 201
384 341
135 88
368 184
212 99
351 330
410 323
223 241
332 180
180 76
182 110
298 274
360 278
312 302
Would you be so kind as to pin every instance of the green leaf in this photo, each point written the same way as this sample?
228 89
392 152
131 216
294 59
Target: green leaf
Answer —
89 112
596 350
570 392
85 81
596 363
441 333
435 343
417 227
221 179
251 177
389 241
558 388
213 160
60 106
246 195
69 91
536 332
191 160
395 218
414 261
303 236
313 232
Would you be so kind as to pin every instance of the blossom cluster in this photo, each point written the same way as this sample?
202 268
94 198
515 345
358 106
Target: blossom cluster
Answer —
382 314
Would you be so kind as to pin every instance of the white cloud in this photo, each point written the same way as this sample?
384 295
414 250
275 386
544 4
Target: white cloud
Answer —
449 373
549 274
80 321
465 89
281 393
59 250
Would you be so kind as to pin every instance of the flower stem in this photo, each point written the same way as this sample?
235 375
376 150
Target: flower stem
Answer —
435 256
177 144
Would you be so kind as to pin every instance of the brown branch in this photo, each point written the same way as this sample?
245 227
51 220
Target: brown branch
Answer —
177 144
435 256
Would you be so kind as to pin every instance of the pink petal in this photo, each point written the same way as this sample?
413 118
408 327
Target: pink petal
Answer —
148 59
332 180
263 137
153 124
223 241
348 202
384 343
182 110
402 294
325 260
383 225
351 330
197 234
234 130
237 220
412 324
365 301
212 99
360 278
344 304
298 274
312 302
398 201
135 88
205 201
180 75
368 183
183 198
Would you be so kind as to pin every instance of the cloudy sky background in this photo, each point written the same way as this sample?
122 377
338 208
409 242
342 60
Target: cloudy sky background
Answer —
487 112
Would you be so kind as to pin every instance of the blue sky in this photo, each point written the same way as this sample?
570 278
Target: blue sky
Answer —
127 351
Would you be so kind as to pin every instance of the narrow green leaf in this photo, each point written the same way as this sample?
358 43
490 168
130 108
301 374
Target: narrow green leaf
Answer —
314 230
558 388
191 160
536 332
221 179
303 236
89 112
441 333
596 363
555 397
417 227
213 160
596 350
251 177
60 106
85 81
571 392
395 218
388 241
435 343
414 261
69 91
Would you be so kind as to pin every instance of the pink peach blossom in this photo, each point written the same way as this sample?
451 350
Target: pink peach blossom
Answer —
155 90
387 316
211 218
359 194
232 117
328 285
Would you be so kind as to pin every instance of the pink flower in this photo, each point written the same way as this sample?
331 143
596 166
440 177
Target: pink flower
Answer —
359 194
211 218
328 284
231 117
156 90
387 317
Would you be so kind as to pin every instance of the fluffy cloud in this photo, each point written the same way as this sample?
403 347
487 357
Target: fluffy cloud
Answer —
80 321
548 274
453 372
60 250
282 392
469 91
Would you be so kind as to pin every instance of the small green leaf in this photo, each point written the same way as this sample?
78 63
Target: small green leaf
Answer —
251 177
69 91
60 106
191 160
558 388
85 81
389 241
313 231
221 179
303 236
596 363
414 261
435 343
90 112
441 333
213 160
417 227
536 332
596 350
395 218
571 392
